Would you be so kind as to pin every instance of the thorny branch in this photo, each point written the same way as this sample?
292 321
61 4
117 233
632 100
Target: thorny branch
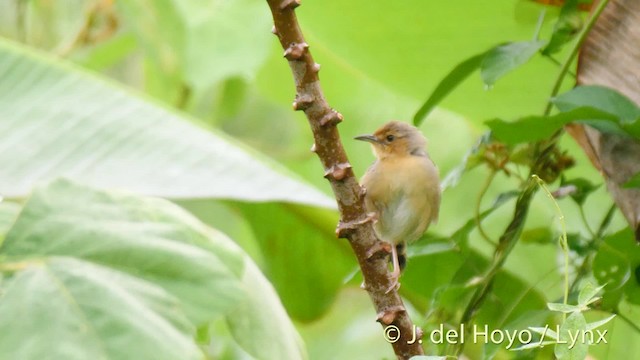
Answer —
355 225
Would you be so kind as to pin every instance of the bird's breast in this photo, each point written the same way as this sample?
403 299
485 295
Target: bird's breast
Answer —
404 192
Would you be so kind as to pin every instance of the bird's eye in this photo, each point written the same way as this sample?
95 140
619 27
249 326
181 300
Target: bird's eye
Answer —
390 138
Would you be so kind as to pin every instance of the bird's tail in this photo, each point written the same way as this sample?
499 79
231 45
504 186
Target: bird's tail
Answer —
401 248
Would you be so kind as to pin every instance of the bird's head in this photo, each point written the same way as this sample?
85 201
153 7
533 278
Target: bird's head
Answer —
396 138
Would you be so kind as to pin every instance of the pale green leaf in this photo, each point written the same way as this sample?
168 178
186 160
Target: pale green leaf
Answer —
148 238
260 324
588 292
57 120
571 344
67 309
597 324
564 308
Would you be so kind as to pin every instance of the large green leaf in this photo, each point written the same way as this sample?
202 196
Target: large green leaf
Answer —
147 238
260 324
63 308
56 120
202 41
8 213
88 269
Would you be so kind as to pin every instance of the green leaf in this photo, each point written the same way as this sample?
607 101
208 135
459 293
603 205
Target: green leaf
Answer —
567 26
615 264
148 238
597 324
583 188
523 321
571 345
133 268
260 324
535 128
588 292
302 257
634 182
471 159
545 331
600 98
538 235
8 214
448 84
563 308
504 58
224 39
57 120
64 308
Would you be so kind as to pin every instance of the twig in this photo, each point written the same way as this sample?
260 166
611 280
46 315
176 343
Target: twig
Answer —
542 152
354 225
485 187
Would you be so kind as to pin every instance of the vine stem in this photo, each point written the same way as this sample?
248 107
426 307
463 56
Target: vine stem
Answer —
483 191
563 239
511 234
355 223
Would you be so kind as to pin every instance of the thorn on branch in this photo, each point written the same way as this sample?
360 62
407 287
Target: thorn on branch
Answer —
388 316
337 171
344 229
313 148
316 68
295 51
274 30
302 102
331 118
290 4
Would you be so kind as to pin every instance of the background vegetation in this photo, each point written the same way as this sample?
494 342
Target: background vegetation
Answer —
190 101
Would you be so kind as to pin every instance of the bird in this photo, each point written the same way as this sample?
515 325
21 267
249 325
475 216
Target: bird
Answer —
401 189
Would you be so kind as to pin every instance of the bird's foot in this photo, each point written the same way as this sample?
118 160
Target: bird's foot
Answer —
394 277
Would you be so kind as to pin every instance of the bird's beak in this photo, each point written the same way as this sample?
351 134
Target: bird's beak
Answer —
368 138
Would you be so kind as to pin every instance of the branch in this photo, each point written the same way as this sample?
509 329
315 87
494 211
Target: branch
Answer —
354 225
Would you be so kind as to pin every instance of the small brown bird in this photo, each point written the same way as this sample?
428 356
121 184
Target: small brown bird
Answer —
402 188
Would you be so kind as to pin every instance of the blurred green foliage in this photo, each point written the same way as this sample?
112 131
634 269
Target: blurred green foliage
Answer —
211 84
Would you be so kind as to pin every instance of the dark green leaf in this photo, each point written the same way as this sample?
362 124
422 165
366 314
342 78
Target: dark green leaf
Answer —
569 24
446 85
302 257
600 98
535 128
634 182
538 235
504 58
583 188
615 264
